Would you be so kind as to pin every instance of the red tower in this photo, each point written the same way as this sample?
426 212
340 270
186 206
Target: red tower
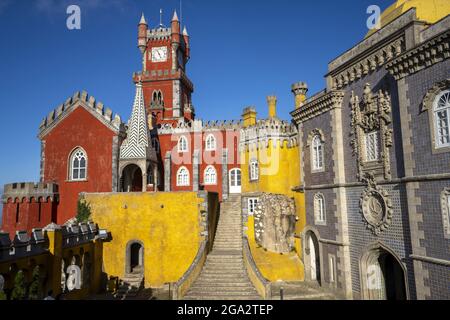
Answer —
167 89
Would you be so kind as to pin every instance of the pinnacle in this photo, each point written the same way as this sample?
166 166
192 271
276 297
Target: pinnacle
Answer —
185 33
175 16
142 19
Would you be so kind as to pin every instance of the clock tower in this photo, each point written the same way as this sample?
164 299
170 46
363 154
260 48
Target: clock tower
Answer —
167 89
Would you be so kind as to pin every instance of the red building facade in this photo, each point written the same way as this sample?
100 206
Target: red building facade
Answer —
86 149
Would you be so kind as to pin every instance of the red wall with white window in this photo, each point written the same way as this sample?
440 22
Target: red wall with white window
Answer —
79 129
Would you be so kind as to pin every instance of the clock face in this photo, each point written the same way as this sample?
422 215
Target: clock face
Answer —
159 54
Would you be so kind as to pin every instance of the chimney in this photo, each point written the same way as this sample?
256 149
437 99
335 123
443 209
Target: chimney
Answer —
272 102
249 117
299 89
142 34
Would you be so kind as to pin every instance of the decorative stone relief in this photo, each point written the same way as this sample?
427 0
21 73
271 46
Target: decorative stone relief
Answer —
275 223
376 206
372 114
432 93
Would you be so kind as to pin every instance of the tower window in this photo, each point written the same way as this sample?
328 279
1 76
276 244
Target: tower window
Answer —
183 144
183 177
319 209
372 146
254 170
252 203
210 143
78 165
317 153
442 119
210 177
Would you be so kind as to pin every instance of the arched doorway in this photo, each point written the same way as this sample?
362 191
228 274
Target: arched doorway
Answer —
235 181
312 258
131 179
135 258
382 276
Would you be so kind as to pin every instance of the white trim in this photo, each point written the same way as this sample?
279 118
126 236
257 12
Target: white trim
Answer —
185 179
317 154
82 155
235 183
210 143
443 97
254 170
210 172
252 203
183 147
319 209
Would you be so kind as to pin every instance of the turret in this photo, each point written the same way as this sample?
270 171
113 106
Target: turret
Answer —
299 89
272 103
175 40
142 34
186 41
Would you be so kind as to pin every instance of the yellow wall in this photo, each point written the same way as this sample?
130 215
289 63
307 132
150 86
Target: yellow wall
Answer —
279 173
168 224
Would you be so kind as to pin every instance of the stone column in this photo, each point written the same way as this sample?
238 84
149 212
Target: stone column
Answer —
225 183
195 170
167 171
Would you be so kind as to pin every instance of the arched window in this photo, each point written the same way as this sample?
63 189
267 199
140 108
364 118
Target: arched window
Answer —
317 153
78 165
441 110
182 144
157 98
319 209
254 170
210 177
210 143
183 177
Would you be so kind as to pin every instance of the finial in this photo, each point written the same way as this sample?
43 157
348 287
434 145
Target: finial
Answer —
160 17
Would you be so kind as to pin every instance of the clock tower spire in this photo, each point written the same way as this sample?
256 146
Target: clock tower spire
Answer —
166 86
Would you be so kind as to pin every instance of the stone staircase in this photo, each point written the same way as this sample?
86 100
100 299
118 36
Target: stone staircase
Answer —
224 276
131 286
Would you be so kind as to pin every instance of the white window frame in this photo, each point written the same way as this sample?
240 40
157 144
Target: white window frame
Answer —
254 170
183 177
332 268
80 154
317 154
210 176
252 203
211 143
183 145
319 209
443 97
372 139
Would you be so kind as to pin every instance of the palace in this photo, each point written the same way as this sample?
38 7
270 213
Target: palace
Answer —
350 199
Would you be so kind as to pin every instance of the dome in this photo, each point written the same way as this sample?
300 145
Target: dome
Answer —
429 11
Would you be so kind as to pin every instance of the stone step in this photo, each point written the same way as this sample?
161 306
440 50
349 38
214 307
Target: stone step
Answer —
222 292
313 296
229 283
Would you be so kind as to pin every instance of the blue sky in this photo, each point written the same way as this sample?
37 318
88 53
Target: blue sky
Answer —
242 51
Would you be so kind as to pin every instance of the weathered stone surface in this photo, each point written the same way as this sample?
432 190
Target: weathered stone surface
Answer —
275 223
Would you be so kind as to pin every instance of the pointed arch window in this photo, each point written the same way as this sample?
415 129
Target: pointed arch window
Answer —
183 144
210 176
211 143
78 165
317 153
157 99
183 177
442 119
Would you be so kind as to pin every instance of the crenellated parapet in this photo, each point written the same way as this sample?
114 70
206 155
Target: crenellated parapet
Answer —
29 190
278 131
196 126
96 108
24 245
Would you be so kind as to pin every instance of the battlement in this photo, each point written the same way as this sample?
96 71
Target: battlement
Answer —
159 33
30 190
103 113
199 126
24 245
273 129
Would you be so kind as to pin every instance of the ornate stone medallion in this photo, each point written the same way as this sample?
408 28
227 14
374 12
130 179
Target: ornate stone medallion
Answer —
376 207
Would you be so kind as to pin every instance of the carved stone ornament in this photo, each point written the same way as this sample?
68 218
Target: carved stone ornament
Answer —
275 223
376 207
372 114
